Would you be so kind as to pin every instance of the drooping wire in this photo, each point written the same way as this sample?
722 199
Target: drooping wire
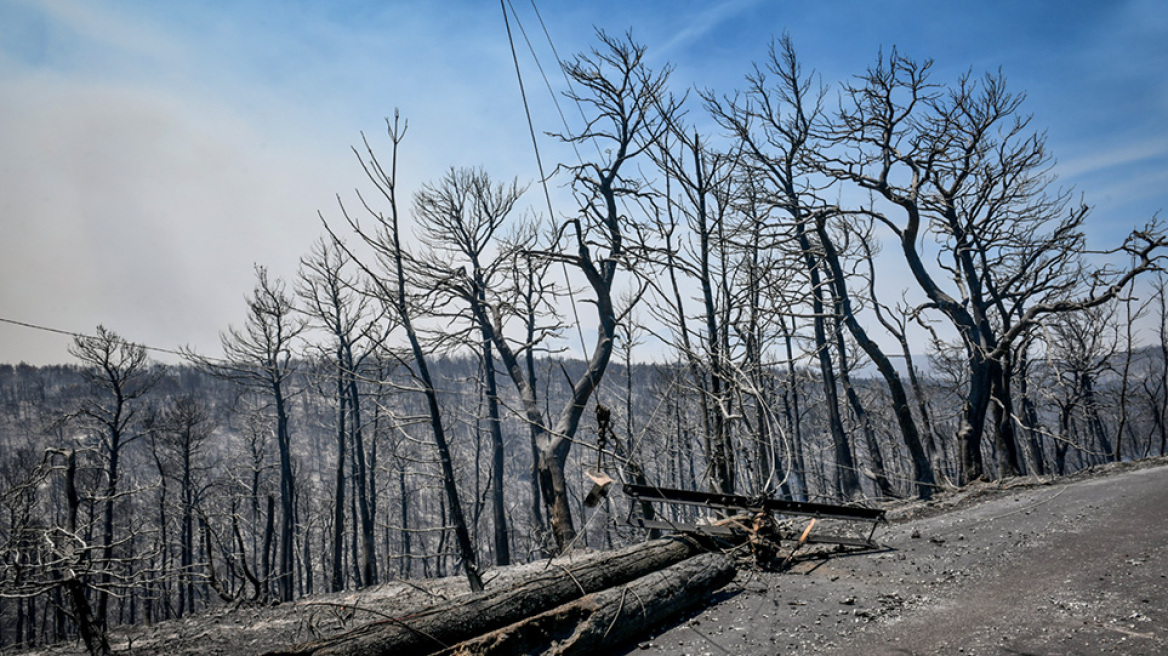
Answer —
539 162
567 80
546 82
74 335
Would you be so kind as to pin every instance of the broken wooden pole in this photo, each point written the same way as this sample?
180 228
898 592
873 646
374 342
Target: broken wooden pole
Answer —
441 626
603 620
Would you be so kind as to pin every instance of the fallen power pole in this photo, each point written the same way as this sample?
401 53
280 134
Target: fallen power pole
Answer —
441 627
610 617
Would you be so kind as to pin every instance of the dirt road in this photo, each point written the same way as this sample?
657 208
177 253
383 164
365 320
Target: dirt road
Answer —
1068 568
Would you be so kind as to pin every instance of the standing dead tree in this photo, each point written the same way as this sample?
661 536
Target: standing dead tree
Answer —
333 301
179 441
774 128
259 358
119 373
623 100
626 109
699 195
960 163
393 284
46 556
460 218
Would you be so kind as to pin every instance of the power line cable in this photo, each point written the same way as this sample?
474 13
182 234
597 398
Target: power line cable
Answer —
567 80
539 163
546 82
76 335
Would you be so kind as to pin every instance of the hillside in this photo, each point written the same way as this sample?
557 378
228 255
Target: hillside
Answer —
1073 565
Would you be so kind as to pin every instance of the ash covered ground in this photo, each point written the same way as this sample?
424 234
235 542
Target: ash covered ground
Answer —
1077 565
1069 566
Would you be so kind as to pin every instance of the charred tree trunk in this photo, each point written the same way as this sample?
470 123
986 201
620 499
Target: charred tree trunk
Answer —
442 626
91 629
846 482
924 477
1091 409
407 551
338 577
364 484
1003 417
973 413
602 620
285 582
1029 419
794 416
107 530
878 475
269 534
498 506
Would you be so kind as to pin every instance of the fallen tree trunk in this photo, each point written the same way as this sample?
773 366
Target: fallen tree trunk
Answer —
600 621
440 627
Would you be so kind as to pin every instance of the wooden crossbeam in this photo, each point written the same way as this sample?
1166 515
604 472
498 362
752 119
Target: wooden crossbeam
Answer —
739 504
749 504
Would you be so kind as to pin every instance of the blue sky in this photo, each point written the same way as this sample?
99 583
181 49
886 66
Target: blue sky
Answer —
152 152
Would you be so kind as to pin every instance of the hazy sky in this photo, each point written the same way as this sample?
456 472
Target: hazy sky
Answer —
151 153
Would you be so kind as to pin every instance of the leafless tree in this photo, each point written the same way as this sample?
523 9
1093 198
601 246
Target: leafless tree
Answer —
1081 350
696 225
333 300
119 374
461 218
259 356
623 102
1154 387
391 284
775 128
961 163
49 556
178 443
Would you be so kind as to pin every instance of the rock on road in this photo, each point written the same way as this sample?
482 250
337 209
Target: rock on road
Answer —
1072 567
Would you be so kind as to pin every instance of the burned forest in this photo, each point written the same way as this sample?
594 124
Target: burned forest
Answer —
791 291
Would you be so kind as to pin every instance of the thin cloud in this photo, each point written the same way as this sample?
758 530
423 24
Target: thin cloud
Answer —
1129 154
704 23
108 29
1142 191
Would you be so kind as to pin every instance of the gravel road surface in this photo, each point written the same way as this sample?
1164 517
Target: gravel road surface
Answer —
1070 567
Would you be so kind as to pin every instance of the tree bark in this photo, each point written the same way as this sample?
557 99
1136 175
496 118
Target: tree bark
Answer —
972 423
365 483
878 475
338 577
285 582
1030 420
602 620
1002 414
924 478
92 633
498 500
794 415
442 626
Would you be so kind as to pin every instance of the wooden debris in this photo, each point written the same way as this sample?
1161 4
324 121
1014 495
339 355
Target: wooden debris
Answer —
603 620
444 625
600 484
